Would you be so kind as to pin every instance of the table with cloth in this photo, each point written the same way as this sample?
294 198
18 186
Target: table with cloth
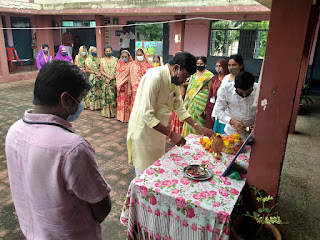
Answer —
162 203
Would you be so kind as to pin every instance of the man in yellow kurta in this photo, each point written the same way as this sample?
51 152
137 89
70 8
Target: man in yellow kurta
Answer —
157 95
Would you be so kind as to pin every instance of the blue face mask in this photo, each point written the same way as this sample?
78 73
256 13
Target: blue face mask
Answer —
75 116
94 54
45 51
125 59
64 54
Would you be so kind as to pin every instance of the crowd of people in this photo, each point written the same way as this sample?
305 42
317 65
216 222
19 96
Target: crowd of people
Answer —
53 171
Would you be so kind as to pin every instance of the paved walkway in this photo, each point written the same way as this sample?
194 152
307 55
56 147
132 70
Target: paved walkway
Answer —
299 187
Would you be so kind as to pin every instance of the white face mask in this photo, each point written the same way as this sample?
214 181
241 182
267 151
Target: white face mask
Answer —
83 53
140 58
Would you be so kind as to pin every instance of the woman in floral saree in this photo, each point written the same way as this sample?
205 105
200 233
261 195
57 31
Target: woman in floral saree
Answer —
108 67
80 59
124 86
196 97
92 65
138 68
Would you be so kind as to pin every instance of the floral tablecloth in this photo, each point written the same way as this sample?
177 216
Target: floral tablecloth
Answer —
167 205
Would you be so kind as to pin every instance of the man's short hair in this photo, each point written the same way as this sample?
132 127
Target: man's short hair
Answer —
186 61
55 78
244 80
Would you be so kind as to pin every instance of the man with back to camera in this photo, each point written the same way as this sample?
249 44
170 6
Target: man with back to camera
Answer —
56 185
157 95
234 104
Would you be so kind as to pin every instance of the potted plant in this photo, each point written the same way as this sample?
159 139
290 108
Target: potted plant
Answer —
260 224
304 99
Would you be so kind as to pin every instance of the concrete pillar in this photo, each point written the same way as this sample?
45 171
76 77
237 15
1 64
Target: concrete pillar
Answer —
304 64
278 91
100 35
44 35
4 70
179 30
9 31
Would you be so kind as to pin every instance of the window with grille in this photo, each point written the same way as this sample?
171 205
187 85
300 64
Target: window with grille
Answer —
235 37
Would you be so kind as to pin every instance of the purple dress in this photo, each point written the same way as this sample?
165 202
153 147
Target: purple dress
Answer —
41 60
59 55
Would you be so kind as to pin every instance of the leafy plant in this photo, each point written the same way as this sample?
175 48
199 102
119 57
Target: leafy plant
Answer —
264 214
304 99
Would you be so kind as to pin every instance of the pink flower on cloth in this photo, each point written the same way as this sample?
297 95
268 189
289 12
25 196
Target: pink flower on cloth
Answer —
223 216
187 153
174 181
178 218
194 227
205 194
242 157
196 196
165 237
149 209
185 181
175 191
157 190
184 164
195 158
212 193
157 212
150 171
216 204
124 220
227 182
138 180
158 184
157 163
247 147
212 181
144 191
170 213
173 155
185 223
186 147
234 191
165 213
136 200
203 228
160 170
190 213
210 228
219 173
153 200
227 230
176 159
158 236
211 166
224 192
180 202
195 181
205 162
166 183
128 233
197 203
143 205
176 171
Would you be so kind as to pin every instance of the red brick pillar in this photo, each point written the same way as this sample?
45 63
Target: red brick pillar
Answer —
100 35
4 70
44 35
282 64
178 37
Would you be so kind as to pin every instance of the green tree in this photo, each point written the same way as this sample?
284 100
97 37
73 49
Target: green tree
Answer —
151 32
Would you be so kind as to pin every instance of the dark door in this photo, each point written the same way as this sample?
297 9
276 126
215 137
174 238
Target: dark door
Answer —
22 37
132 42
87 36
166 42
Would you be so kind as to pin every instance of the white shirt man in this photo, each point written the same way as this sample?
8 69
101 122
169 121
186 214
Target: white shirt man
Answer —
234 104
125 39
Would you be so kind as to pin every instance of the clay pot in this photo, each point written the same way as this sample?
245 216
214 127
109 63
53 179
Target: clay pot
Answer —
238 223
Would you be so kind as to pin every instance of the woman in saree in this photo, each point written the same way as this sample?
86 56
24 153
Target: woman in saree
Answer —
80 59
62 54
108 66
92 64
196 96
138 68
43 56
222 70
124 86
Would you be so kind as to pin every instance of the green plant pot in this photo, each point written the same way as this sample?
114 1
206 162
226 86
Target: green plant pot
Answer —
241 222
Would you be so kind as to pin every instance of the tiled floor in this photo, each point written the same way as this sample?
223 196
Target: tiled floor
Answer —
108 137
